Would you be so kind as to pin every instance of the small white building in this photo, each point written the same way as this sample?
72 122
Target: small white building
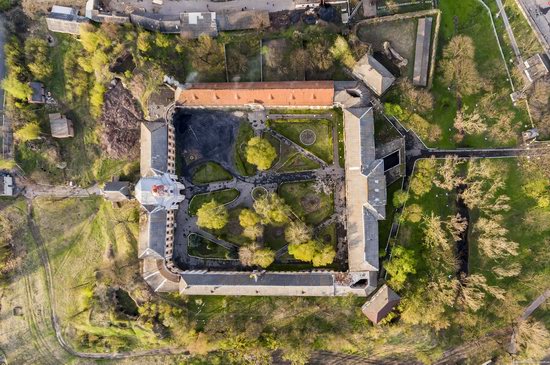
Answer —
7 187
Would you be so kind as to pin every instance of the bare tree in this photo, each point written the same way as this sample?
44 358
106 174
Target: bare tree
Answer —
509 271
457 225
533 338
459 68
448 177
492 239
297 232
473 290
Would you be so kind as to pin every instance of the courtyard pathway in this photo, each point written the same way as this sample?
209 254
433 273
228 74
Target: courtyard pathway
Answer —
332 175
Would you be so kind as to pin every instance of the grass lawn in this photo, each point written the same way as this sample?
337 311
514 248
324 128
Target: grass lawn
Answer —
220 196
328 235
291 128
401 34
210 172
274 237
473 21
241 165
295 161
311 206
384 226
94 245
529 226
201 247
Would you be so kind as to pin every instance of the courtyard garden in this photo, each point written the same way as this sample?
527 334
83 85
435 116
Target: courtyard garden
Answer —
279 209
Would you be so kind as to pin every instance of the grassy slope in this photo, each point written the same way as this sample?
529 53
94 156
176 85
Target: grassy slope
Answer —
93 243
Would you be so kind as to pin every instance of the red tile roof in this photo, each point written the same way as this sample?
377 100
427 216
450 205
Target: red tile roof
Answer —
288 93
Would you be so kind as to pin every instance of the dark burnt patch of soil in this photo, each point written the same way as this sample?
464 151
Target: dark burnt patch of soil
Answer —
121 118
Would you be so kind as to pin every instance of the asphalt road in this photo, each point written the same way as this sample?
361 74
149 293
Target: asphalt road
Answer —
538 13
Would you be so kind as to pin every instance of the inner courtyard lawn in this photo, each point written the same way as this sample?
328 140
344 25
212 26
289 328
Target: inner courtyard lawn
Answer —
210 172
291 129
204 248
311 206
220 196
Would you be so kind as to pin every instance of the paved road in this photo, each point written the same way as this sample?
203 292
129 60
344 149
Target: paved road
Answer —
175 7
513 42
535 304
537 13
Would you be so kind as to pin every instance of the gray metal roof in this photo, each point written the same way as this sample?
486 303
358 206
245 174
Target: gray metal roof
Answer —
201 282
152 235
65 22
154 147
117 191
380 304
365 190
195 24
373 74
422 52
61 127
38 95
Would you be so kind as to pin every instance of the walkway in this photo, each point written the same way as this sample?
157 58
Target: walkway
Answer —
332 175
7 131
509 30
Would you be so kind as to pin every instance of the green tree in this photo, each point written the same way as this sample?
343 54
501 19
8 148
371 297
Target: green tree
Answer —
28 132
6 164
96 98
212 215
248 218
162 40
260 152
16 88
422 179
272 209
400 197
303 251
538 189
313 251
254 255
403 262
144 41
38 62
412 213
324 255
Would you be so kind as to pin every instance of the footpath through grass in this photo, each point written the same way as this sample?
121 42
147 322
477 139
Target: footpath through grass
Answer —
291 128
